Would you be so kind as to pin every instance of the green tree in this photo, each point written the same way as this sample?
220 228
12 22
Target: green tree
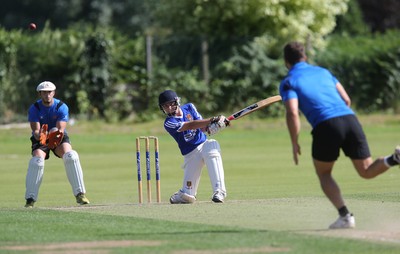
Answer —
241 40
278 20
352 22
96 72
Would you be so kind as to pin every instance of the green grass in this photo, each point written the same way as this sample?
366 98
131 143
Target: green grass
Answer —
272 206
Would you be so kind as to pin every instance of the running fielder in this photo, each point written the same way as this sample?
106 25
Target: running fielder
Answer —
49 113
186 125
327 107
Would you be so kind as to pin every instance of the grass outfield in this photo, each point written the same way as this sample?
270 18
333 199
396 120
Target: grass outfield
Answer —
272 206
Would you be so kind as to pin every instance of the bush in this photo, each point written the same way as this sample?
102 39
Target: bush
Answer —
87 65
368 67
247 77
101 73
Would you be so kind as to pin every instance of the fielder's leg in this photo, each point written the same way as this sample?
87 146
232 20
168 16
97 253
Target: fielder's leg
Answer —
75 176
34 178
212 156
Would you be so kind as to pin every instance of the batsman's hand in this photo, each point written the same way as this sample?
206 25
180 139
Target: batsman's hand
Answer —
55 138
221 120
216 124
43 134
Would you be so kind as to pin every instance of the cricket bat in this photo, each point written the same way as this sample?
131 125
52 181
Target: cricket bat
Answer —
254 107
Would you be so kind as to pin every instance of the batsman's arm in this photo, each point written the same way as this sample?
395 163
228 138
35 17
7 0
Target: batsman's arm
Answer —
196 124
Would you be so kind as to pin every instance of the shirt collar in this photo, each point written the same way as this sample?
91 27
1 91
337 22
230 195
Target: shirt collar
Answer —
298 65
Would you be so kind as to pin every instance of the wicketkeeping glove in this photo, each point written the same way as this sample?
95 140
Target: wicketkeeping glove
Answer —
55 138
43 134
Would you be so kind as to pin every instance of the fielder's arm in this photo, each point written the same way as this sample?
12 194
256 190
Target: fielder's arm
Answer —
61 125
35 127
343 94
293 125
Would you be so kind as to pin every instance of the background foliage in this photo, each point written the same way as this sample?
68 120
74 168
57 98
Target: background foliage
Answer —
369 68
111 59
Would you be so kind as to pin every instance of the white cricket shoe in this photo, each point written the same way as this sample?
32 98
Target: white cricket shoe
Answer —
396 154
347 221
218 197
180 197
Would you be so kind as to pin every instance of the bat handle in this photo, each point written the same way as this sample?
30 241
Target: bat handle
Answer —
230 118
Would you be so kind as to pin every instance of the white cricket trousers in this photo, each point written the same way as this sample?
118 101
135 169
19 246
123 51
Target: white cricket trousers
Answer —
209 154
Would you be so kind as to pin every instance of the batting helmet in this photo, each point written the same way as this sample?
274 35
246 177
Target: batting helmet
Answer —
167 96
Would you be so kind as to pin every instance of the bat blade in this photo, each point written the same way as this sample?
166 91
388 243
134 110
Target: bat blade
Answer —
254 107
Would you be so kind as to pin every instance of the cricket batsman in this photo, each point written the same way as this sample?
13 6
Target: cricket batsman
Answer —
185 124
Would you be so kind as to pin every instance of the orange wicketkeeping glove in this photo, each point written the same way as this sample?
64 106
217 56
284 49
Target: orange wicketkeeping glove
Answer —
55 138
43 134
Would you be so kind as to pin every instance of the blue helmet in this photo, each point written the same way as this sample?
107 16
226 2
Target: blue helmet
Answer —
168 96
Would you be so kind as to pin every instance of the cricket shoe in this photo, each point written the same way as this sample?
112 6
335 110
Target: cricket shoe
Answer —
29 203
82 199
347 221
218 197
180 197
396 154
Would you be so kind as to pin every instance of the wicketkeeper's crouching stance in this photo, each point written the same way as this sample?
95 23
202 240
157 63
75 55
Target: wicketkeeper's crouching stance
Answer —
48 118
187 127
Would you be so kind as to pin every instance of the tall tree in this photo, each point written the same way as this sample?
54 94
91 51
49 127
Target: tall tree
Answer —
224 24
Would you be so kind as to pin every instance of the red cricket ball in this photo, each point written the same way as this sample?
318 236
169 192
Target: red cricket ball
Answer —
32 26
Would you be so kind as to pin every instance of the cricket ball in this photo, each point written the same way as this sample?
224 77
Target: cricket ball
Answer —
32 26
54 129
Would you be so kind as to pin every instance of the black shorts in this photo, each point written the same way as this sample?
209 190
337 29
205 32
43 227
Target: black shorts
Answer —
36 145
344 132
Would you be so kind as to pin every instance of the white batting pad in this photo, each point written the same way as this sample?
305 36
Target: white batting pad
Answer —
212 156
74 172
34 177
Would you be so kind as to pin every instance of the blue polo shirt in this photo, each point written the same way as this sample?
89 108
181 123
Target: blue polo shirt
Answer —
315 89
187 140
48 115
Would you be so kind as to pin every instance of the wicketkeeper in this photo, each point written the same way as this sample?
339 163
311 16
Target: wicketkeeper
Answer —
48 118
185 124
